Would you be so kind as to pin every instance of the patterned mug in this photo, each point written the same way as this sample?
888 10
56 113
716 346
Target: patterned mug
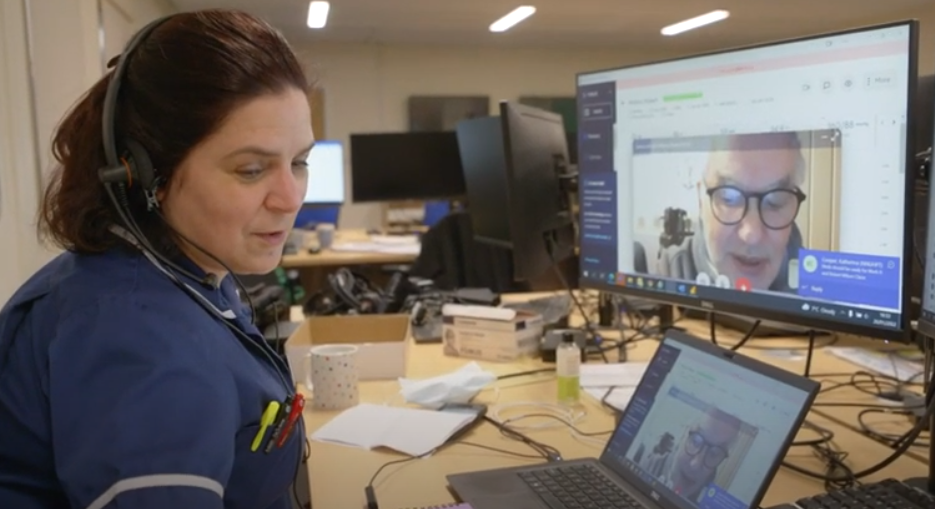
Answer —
333 377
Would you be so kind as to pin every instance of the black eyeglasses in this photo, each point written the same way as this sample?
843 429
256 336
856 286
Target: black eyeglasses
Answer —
714 454
778 207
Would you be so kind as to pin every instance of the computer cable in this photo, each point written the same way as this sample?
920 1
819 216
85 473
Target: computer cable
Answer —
547 451
595 339
558 416
712 327
900 449
889 438
525 373
585 436
370 490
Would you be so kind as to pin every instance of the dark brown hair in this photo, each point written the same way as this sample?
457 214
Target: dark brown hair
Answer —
180 84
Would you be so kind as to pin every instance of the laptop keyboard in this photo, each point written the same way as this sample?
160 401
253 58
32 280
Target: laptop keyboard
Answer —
887 494
578 487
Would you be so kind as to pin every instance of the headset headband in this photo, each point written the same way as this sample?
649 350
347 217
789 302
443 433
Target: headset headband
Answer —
109 135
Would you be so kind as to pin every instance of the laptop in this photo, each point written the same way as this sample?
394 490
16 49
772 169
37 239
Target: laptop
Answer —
706 428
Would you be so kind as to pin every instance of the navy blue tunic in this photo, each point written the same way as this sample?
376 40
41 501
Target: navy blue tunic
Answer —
118 390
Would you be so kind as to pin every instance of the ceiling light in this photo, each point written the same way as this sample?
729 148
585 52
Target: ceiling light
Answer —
318 14
693 23
514 17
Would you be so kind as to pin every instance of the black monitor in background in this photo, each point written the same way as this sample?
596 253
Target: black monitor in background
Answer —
925 109
515 166
772 181
480 141
405 166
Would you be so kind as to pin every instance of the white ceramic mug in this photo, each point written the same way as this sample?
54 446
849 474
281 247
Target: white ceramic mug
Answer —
325 233
332 376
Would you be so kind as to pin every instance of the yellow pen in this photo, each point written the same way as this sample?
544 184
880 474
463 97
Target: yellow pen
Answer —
269 415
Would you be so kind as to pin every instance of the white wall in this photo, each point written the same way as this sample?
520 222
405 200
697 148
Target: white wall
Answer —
50 53
366 87
18 165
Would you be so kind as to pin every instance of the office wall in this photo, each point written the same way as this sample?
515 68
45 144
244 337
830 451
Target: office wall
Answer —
366 86
50 54
18 165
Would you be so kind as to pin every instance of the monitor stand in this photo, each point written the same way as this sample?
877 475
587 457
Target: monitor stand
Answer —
767 328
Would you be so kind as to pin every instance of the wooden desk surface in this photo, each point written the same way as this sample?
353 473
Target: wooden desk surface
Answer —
338 474
330 257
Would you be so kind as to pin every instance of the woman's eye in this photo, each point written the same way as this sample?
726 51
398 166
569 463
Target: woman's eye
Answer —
300 165
250 173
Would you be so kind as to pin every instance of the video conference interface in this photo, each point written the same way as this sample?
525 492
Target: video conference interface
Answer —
772 176
693 437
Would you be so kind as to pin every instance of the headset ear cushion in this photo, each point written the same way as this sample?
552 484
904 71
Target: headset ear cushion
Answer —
141 166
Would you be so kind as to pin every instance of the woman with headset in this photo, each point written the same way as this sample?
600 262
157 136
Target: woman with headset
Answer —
130 373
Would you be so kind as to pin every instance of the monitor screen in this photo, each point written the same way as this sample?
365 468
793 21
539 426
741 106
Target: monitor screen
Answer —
768 181
325 173
405 166
705 432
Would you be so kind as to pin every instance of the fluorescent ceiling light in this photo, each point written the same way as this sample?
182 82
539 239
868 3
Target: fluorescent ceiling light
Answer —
514 17
697 21
318 14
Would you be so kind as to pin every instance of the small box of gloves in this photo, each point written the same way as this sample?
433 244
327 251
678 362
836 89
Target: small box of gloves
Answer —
490 333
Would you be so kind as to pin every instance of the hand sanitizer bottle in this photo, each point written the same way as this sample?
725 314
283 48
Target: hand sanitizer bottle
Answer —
568 368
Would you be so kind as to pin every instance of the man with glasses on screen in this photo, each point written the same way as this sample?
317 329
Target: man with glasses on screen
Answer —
749 195
703 450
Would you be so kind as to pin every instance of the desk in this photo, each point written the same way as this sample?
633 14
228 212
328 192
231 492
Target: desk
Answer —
329 257
339 474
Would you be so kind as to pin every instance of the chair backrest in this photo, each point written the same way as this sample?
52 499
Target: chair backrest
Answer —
453 259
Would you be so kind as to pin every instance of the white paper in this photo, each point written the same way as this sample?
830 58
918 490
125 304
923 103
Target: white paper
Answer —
411 431
394 239
618 399
375 247
624 374
887 363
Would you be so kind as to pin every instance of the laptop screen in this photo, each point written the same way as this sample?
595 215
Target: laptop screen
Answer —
703 431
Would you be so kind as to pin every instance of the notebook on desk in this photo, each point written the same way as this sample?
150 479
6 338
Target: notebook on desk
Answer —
706 428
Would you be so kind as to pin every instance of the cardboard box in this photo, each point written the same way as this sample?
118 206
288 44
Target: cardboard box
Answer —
488 333
381 340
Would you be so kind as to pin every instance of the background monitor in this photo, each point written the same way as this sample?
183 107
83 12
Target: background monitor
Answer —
405 166
325 174
773 181
480 141
514 166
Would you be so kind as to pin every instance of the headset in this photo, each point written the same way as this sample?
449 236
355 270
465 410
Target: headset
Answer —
353 293
130 168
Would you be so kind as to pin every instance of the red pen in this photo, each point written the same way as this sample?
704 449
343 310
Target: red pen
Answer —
298 403
279 424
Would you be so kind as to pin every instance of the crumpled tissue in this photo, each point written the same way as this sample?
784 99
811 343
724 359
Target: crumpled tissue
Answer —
455 387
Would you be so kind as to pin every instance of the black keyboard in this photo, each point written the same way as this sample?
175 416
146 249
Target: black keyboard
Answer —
887 494
578 487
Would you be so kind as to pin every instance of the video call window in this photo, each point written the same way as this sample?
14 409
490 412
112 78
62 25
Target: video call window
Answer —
736 211
777 170
701 440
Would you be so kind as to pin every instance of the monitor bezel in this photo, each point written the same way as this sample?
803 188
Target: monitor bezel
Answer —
816 322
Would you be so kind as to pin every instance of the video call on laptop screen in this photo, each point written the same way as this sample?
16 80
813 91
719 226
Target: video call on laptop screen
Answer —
703 431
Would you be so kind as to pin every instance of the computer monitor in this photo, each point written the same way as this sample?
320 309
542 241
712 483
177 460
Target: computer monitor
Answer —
405 166
518 178
325 174
773 181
